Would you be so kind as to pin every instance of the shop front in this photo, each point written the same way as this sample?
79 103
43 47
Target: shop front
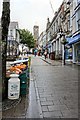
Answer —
74 51
68 55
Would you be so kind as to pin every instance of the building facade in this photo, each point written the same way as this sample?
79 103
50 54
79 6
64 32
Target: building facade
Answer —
42 42
74 40
76 31
59 24
64 29
13 39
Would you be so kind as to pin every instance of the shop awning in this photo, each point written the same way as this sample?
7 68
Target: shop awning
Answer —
72 40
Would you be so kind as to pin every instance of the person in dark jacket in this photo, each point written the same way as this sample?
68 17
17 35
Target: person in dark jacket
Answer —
45 54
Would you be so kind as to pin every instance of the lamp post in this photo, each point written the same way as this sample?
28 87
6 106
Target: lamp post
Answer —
64 53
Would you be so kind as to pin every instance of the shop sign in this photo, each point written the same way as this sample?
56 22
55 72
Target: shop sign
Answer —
73 40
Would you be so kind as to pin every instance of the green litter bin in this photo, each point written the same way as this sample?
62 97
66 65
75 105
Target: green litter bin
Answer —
27 75
23 88
23 77
23 83
23 91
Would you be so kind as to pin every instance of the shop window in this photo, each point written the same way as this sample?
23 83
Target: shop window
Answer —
78 24
77 55
68 22
79 13
78 1
74 25
11 33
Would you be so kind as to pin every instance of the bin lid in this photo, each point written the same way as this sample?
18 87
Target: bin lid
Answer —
14 75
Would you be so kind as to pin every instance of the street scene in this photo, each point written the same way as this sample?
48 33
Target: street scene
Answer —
39 59
53 92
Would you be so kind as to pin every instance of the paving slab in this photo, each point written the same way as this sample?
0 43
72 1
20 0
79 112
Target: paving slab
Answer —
54 114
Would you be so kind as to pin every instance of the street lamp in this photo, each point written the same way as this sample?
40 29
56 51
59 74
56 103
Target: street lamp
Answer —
64 42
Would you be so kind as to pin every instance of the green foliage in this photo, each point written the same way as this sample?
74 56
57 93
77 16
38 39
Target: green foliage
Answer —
27 38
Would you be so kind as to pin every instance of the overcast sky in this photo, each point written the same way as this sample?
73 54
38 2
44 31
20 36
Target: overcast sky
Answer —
32 12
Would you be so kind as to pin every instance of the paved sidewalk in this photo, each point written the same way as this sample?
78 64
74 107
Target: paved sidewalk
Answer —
33 110
17 108
8 104
52 62
60 62
57 88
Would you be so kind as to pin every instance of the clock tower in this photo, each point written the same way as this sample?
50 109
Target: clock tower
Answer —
36 34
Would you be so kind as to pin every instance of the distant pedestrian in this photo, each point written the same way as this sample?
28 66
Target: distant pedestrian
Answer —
27 53
45 54
35 52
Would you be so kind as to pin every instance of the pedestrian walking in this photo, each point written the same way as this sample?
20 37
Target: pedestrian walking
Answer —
45 54
35 52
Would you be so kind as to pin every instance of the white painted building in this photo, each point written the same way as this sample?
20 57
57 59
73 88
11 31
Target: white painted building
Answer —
44 42
40 41
13 39
13 33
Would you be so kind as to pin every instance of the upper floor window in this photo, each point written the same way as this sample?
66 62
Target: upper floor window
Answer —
16 33
78 13
54 28
59 21
79 24
56 25
68 22
78 1
74 25
78 18
11 33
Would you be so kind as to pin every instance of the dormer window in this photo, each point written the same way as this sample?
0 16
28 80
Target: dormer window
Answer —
11 33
